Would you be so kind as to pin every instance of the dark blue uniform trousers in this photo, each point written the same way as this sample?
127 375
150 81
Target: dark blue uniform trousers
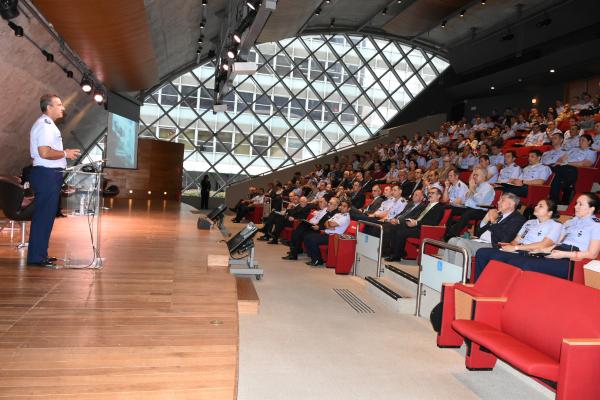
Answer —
312 242
45 183
550 266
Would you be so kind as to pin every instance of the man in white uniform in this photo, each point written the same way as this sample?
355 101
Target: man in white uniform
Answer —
49 161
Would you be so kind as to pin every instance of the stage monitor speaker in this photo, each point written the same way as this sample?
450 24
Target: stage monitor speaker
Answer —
204 223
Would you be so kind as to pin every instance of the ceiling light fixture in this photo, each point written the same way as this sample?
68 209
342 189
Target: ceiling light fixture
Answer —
18 30
251 6
534 101
483 2
552 70
9 9
444 24
384 11
86 84
225 67
318 11
201 39
99 96
203 24
237 38
332 23
204 3
493 87
462 13
231 53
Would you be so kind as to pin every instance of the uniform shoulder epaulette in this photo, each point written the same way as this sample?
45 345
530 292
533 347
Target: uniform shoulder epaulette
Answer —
596 219
46 120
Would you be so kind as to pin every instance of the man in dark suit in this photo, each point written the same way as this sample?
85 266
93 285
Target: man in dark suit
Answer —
297 213
378 198
431 215
357 197
412 210
499 225
278 215
405 184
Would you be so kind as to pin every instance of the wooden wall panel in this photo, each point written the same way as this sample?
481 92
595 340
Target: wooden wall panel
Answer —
160 168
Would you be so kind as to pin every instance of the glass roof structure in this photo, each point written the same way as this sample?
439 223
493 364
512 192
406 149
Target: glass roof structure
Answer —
311 95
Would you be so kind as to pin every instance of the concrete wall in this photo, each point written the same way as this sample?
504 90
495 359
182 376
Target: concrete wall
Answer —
235 192
24 76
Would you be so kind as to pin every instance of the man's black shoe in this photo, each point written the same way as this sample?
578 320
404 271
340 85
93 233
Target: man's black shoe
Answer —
43 263
314 263
61 215
264 238
290 257
52 259
232 209
393 258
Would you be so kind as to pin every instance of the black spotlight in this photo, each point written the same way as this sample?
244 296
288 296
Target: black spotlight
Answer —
18 30
86 84
99 96
8 9
49 56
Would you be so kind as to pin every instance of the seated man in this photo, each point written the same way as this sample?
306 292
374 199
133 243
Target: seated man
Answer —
431 215
500 225
244 207
378 199
335 225
316 223
277 215
566 169
413 209
455 190
510 170
535 173
550 157
299 212
480 195
491 170
389 209
356 195
535 137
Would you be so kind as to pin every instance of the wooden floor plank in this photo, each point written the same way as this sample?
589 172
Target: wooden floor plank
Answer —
140 328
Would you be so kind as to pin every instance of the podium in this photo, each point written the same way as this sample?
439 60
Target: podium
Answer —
84 209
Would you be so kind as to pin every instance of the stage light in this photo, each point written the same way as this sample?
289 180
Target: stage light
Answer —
99 96
552 70
462 13
86 84
237 38
534 101
444 24
9 9
18 30
49 56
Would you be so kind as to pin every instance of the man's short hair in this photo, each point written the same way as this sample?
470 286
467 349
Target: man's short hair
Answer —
484 157
536 152
513 153
516 199
559 134
46 100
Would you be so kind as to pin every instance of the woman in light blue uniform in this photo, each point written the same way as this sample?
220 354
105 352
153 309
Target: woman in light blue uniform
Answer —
580 239
535 234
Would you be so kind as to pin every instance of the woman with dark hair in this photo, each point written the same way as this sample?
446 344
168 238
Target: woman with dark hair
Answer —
580 239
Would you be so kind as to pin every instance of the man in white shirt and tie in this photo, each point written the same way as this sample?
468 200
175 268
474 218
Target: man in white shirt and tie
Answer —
335 225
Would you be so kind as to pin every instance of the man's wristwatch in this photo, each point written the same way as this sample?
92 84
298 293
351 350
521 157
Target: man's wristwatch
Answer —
65 153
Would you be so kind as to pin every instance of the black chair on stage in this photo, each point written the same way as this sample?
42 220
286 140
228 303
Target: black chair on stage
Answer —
11 204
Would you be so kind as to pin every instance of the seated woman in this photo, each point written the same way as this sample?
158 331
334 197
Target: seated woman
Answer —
535 234
580 239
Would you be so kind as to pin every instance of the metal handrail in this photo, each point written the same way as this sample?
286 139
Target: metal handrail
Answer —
466 265
378 226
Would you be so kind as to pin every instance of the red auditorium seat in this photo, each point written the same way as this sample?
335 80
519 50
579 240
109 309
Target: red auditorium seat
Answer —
495 281
586 176
286 233
342 256
545 327
255 214
413 245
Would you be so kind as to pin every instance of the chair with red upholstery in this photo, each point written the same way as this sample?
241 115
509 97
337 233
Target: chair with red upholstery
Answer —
495 281
464 176
255 214
587 176
413 245
337 250
286 233
545 327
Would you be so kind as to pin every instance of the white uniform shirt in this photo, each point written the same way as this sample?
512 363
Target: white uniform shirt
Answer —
596 144
397 208
484 195
458 190
534 139
496 159
533 231
258 199
342 220
492 170
317 216
577 154
571 141
45 133
550 157
580 232
512 171
536 171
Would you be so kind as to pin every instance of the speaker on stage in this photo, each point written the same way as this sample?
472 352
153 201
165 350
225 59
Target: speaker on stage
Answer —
214 217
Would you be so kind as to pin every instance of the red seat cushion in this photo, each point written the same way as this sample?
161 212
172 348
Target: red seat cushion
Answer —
516 353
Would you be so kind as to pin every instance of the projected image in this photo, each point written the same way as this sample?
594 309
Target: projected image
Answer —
121 142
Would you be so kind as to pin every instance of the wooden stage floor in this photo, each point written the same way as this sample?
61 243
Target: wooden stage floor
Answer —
155 323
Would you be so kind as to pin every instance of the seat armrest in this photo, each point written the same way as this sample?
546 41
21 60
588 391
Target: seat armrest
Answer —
488 310
578 370
432 232
535 193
